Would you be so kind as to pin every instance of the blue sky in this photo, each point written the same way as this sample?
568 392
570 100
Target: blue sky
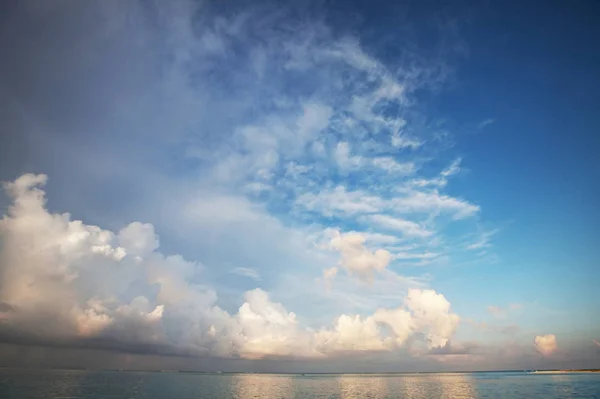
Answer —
413 181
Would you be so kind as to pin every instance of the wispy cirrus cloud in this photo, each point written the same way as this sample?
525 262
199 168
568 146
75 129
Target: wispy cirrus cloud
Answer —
486 122
403 226
484 240
246 272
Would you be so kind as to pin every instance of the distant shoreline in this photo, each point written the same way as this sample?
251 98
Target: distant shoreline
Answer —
530 371
567 371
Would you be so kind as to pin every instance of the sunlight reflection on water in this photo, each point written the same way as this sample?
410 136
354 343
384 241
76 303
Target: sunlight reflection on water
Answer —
352 387
261 386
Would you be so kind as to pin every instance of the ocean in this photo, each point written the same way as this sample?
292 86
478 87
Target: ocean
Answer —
63 384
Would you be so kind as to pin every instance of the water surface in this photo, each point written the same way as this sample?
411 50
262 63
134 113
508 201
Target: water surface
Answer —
55 384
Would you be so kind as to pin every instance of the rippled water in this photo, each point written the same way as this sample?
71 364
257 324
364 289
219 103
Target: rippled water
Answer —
35 384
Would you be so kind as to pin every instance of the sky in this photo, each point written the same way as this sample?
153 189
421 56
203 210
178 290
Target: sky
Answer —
299 186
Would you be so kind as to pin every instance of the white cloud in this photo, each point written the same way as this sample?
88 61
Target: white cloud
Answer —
53 276
378 238
352 333
220 209
246 272
391 166
545 344
453 169
294 170
432 202
330 273
256 188
399 320
409 200
345 159
265 328
256 151
55 267
483 241
350 51
439 181
435 182
486 122
338 200
314 119
406 227
400 141
356 258
412 255
425 312
432 314
138 239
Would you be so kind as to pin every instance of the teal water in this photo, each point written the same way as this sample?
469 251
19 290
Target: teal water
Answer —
55 384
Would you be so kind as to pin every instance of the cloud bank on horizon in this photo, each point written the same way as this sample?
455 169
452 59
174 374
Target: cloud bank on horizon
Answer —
77 282
309 202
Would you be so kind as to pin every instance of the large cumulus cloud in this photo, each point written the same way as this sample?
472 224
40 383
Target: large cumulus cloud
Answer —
65 282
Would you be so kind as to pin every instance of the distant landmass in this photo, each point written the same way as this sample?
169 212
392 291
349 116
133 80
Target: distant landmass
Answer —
390 372
569 371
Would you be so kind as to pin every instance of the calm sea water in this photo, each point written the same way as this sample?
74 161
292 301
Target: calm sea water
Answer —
54 384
